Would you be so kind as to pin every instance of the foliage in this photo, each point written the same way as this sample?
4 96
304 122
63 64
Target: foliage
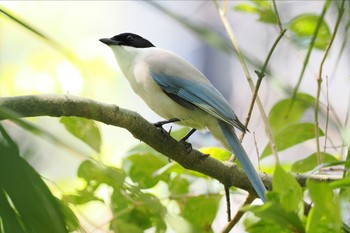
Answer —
284 208
148 192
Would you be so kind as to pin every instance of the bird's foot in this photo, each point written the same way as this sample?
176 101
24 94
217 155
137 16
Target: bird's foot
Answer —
160 124
187 145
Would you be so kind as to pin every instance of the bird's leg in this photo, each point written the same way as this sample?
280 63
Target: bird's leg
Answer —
188 135
160 124
187 144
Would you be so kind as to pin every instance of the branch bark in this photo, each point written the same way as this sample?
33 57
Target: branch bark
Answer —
68 105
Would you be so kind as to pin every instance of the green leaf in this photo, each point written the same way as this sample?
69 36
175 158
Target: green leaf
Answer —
118 225
30 127
343 183
325 214
261 8
289 111
180 133
289 191
303 28
264 226
275 217
310 162
292 135
246 7
37 208
141 209
84 129
200 211
98 174
71 220
283 207
142 169
8 217
179 185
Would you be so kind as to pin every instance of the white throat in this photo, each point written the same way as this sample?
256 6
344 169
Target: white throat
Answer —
126 57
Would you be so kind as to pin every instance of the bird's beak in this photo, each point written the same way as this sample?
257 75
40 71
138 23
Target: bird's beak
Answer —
109 41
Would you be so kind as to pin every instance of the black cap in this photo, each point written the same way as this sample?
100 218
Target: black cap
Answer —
128 39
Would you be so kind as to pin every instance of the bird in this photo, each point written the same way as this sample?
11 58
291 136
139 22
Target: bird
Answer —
180 93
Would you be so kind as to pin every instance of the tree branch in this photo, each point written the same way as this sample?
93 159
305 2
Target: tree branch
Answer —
67 105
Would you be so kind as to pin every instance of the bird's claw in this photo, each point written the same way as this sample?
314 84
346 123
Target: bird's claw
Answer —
163 131
187 145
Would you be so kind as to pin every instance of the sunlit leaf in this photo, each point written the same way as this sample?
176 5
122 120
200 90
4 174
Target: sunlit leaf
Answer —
325 214
216 152
303 28
84 129
292 135
178 169
180 133
246 7
310 162
287 111
261 8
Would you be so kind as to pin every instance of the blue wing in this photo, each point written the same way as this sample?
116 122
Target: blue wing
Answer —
201 94
204 96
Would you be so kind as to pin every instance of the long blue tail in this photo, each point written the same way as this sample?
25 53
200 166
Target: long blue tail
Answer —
243 159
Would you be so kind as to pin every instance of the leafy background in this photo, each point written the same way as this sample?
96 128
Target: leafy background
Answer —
102 179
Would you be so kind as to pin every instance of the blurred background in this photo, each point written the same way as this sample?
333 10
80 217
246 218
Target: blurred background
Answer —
29 66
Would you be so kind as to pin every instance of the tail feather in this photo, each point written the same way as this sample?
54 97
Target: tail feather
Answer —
243 159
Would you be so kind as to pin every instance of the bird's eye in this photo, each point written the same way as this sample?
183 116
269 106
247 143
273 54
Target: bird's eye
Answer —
130 38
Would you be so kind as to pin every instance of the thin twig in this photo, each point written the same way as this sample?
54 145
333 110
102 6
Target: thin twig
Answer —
257 150
238 216
230 33
277 16
261 75
228 202
327 117
319 82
